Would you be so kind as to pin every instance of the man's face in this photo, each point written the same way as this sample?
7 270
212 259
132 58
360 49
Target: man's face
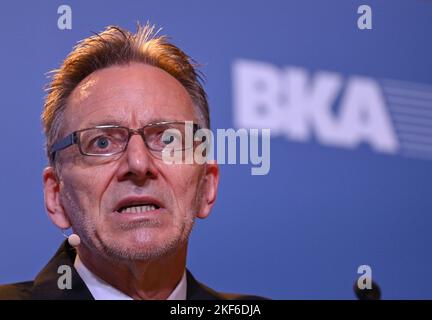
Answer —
92 190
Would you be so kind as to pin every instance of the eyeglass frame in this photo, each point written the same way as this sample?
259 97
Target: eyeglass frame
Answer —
73 138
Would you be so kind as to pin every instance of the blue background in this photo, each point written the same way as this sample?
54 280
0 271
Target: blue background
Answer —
302 230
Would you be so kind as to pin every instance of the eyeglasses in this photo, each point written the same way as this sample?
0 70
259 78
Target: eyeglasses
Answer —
109 140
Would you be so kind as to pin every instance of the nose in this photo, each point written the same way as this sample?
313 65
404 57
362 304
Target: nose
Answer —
137 163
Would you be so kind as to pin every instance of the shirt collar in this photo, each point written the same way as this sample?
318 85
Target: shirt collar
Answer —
102 290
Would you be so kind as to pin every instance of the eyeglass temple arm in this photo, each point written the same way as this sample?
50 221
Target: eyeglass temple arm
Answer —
64 143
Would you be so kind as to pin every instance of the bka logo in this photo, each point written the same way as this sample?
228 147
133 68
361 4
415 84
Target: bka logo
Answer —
339 111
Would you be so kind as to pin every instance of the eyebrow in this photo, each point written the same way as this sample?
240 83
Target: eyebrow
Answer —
117 122
96 123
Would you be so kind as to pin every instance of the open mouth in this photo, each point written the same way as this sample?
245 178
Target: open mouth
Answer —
138 208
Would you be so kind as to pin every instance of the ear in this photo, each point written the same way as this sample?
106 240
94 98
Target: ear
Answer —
52 199
210 188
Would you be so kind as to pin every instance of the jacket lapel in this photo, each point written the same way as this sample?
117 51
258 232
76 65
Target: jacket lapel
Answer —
45 285
198 291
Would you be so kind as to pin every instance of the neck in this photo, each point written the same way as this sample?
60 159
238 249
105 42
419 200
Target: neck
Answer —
141 280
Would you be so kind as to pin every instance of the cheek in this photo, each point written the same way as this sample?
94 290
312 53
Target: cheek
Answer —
83 189
185 182
72 201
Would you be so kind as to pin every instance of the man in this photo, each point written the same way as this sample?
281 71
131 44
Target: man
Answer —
131 213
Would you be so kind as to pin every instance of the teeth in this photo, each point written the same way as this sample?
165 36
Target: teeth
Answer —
138 209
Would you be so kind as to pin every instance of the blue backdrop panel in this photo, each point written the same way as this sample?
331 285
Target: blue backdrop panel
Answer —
325 208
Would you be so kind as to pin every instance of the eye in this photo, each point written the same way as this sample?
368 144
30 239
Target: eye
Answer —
102 142
98 144
168 138
161 137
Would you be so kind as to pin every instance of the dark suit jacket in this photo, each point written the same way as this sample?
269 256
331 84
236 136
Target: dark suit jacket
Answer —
45 285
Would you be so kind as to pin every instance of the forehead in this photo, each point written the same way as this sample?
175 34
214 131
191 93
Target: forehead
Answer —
132 95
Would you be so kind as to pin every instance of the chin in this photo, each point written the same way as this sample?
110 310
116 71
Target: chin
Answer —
141 246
